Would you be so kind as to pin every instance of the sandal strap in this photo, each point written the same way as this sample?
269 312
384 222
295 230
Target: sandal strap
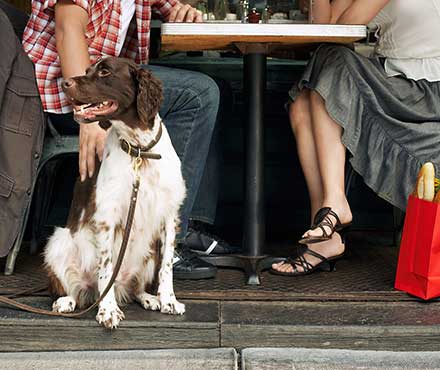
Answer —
292 262
306 265
320 215
315 254
300 260
322 220
333 213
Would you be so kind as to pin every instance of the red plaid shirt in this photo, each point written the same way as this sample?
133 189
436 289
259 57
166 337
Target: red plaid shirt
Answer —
102 35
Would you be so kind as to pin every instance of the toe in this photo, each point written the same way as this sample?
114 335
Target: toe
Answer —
277 265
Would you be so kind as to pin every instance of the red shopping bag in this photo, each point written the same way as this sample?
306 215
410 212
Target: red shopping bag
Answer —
418 268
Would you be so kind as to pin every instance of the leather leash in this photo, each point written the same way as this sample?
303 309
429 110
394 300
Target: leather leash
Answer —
129 223
137 154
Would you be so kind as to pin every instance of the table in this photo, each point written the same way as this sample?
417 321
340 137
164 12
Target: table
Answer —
255 41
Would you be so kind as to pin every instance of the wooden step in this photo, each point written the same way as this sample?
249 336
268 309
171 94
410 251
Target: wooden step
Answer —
395 326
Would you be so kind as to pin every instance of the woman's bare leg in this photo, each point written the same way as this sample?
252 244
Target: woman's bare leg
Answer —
331 159
328 164
301 122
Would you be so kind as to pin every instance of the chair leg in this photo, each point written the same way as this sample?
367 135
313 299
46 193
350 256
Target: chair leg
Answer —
43 195
10 261
38 204
398 218
13 253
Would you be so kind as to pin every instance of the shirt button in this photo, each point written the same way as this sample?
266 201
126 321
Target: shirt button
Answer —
36 155
28 191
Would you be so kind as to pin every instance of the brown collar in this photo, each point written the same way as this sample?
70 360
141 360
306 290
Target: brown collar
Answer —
142 152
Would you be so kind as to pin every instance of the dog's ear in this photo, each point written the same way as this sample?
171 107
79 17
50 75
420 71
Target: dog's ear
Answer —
149 96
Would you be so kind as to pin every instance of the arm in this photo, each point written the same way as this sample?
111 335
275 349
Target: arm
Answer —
346 11
70 27
361 12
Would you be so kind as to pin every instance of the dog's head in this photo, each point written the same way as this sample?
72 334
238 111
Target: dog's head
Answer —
115 89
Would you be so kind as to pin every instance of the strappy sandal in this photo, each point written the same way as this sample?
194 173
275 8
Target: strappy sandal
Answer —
326 264
322 220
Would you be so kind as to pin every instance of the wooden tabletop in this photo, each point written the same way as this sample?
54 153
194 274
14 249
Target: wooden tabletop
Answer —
225 36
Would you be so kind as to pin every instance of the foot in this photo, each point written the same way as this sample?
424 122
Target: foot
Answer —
201 241
64 305
330 248
343 211
171 305
109 315
148 301
188 265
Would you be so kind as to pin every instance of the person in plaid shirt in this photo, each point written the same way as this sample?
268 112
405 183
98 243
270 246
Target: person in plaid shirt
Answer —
63 38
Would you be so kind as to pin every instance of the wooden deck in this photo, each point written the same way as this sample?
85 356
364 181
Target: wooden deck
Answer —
353 308
398 326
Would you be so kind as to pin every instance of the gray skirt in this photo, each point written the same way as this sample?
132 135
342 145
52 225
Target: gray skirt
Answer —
391 125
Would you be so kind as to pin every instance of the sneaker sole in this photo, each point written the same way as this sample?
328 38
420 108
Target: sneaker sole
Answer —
203 254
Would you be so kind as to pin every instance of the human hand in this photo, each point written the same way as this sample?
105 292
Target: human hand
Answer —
91 143
185 13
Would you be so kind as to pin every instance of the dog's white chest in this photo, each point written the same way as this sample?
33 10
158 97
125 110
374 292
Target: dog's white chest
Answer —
161 189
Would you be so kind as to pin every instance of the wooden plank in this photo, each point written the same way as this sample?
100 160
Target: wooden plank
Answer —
48 338
246 295
200 42
141 329
338 337
197 312
249 29
202 36
330 313
391 326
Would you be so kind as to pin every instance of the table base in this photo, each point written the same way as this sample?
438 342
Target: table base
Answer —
252 266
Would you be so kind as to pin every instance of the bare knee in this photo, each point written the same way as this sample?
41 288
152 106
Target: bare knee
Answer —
315 98
299 113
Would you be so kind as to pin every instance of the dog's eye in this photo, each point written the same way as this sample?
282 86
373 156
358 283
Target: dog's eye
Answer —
103 72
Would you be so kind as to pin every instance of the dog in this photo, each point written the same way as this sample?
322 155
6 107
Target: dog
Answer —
79 258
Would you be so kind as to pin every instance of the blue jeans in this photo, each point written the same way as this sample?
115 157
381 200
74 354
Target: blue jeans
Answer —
189 111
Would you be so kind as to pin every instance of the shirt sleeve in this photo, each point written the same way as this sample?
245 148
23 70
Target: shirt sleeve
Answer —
50 4
164 7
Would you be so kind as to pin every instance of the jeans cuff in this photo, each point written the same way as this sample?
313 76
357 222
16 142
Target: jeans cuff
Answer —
207 220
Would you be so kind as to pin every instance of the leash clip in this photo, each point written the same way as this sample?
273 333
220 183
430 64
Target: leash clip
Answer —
137 163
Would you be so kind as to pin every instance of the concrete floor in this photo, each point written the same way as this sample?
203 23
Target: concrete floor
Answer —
222 359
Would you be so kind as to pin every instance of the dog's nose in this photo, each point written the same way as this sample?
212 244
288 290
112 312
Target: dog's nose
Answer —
67 84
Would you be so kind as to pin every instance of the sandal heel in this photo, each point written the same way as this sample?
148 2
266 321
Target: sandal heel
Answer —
343 233
329 266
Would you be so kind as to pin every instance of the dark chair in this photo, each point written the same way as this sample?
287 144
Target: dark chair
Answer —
55 147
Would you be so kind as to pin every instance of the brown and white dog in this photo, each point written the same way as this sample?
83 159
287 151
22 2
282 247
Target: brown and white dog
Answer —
80 257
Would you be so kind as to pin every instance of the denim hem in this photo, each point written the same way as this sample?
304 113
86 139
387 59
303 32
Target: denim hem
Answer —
207 220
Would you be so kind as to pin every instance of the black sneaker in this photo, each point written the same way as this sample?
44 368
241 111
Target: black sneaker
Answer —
188 265
200 241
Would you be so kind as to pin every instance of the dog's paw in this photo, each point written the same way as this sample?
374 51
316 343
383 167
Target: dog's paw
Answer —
64 305
149 302
172 306
109 316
